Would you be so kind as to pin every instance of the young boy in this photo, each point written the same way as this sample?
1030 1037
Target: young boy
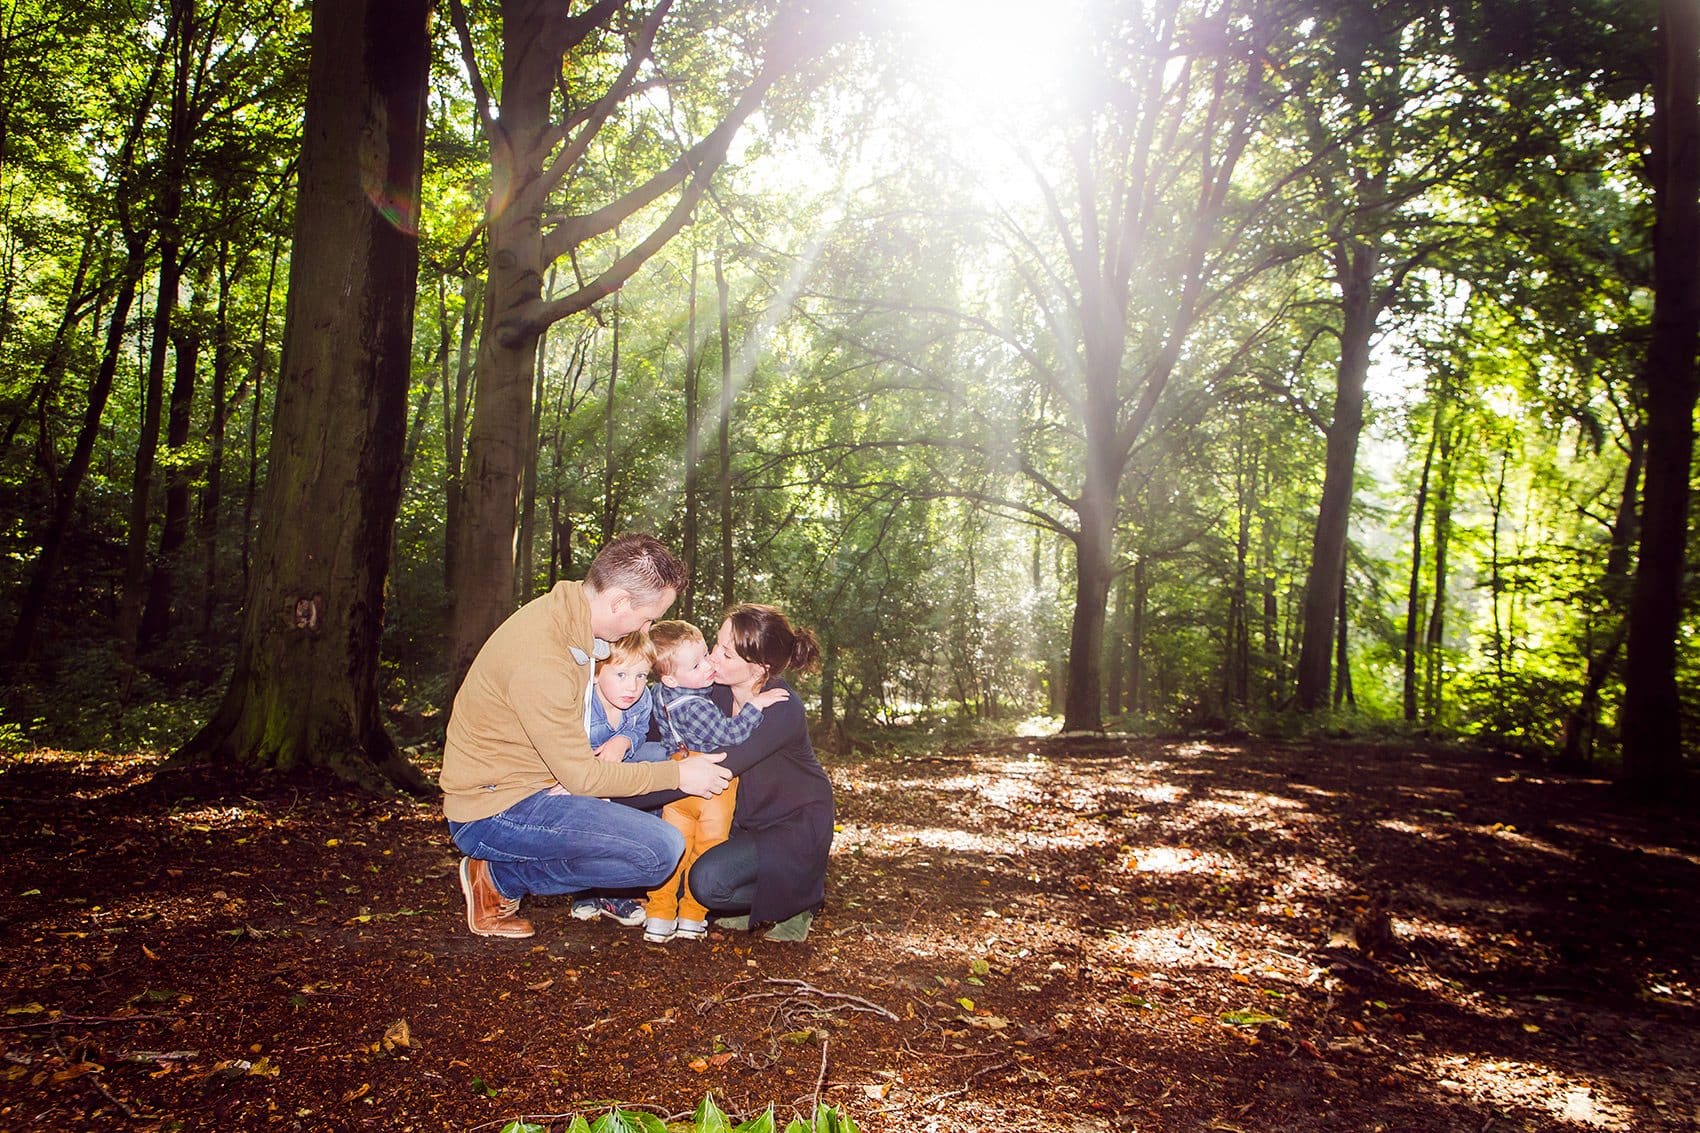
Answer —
691 722
619 708
617 714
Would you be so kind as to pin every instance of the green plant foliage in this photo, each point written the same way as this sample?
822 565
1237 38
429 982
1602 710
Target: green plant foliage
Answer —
708 1117
618 1120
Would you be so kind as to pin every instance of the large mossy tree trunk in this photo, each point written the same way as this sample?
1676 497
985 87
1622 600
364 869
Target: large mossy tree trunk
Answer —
1652 730
304 691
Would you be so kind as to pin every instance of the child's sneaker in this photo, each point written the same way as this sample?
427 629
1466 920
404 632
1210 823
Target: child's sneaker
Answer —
659 930
623 909
692 930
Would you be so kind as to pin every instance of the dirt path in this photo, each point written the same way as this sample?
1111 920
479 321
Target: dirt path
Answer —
1022 934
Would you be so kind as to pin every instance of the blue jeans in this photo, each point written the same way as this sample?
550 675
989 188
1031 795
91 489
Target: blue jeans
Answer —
650 751
724 878
552 842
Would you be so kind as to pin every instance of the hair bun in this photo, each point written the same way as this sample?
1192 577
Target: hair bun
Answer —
805 650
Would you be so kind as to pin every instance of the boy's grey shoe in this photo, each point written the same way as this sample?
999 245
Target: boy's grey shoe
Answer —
659 930
626 910
692 930
791 928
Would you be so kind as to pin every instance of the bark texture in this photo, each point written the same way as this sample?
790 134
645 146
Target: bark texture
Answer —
1652 728
304 692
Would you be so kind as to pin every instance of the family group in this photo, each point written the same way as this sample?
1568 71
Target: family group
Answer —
566 772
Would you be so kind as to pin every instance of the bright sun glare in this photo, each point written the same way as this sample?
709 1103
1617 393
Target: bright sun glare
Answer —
989 56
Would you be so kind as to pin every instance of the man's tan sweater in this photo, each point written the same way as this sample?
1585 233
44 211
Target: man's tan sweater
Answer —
518 721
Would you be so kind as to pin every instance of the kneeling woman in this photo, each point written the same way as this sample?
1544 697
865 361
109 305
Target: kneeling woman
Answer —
773 867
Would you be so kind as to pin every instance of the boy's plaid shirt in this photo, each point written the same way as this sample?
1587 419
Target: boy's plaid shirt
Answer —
690 719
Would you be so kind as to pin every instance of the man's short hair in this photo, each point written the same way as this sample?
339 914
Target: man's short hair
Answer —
633 649
638 564
667 636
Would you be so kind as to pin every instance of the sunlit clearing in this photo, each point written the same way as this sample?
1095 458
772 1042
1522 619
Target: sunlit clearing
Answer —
1038 726
888 839
1257 800
1305 880
1455 936
1007 793
208 818
1503 833
1502 1082
1175 859
1202 751
1252 810
1189 944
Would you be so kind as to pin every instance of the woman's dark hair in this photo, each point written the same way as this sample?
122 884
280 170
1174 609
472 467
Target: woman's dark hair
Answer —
762 635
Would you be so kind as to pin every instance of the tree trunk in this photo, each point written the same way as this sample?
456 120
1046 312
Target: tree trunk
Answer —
1236 661
1433 659
178 137
828 684
1356 274
212 497
305 687
1496 584
159 614
147 449
81 301
1115 646
1273 662
1136 642
1414 593
528 161
1104 349
1343 693
71 480
1582 720
693 454
1652 731
456 402
559 538
1086 633
610 505
726 588
251 497
525 577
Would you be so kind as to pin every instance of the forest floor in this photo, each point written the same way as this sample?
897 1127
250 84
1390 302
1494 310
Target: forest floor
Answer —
1020 934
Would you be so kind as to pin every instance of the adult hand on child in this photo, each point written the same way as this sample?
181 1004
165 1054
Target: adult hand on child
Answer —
702 776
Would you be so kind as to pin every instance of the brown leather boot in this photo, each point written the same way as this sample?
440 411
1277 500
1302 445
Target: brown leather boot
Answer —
488 913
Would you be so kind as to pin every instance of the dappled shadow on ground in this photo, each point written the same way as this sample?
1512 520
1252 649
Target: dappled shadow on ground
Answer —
1021 934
